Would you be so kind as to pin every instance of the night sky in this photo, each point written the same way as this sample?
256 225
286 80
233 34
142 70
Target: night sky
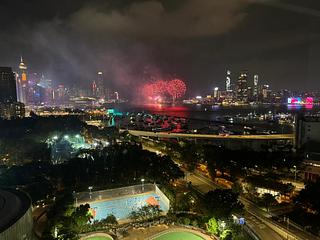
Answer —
195 40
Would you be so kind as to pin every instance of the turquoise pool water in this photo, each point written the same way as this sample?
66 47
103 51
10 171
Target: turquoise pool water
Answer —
122 207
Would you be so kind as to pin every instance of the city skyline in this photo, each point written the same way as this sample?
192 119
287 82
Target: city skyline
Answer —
276 40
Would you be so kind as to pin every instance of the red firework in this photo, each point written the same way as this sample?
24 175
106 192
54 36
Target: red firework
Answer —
160 87
176 88
148 90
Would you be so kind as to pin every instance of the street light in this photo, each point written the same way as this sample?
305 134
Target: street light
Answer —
55 137
223 225
295 173
142 184
77 136
90 191
66 136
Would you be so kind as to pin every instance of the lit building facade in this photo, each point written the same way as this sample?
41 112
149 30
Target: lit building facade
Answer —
242 87
12 110
23 82
228 81
255 86
100 89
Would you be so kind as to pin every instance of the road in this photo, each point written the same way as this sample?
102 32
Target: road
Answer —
264 232
210 136
257 219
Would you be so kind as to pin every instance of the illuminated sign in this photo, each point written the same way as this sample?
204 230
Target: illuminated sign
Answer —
300 101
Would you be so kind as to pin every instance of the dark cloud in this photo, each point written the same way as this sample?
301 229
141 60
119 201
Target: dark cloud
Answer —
196 18
195 39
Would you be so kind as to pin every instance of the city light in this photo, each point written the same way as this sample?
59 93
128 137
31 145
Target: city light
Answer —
66 137
55 137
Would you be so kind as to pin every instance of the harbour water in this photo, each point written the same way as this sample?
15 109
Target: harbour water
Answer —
212 113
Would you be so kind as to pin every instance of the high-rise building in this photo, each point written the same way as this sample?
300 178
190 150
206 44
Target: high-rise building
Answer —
228 81
12 110
23 81
7 85
94 89
9 107
100 86
255 85
242 87
60 95
216 93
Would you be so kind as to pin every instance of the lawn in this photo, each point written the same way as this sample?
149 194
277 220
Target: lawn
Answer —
178 236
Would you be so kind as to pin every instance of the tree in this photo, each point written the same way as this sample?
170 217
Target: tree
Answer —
237 188
145 213
80 217
309 197
189 156
222 202
226 235
110 220
268 200
212 226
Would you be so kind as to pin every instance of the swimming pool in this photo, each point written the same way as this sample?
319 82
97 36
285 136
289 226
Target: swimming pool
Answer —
122 207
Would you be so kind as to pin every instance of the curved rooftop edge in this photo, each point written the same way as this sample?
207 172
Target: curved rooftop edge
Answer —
13 205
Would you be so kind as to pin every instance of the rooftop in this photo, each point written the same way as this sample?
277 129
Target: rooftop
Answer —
13 205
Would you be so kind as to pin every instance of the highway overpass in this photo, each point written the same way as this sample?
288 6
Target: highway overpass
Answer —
256 142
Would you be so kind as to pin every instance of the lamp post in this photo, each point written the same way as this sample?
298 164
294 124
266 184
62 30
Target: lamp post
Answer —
90 191
75 198
223 225
142 184
295 173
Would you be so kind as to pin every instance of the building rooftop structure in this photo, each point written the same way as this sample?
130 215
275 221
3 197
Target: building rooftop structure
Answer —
13 205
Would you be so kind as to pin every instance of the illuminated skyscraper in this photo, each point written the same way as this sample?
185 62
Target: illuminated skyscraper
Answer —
23 82
242 87
228 81
255 85
100 86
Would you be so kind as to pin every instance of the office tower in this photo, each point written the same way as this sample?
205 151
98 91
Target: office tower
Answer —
242 87
255 85
228 81
23 81
100 86
7 85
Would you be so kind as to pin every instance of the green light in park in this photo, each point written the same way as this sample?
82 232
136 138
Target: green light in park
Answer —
77 136
66 136
55 137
